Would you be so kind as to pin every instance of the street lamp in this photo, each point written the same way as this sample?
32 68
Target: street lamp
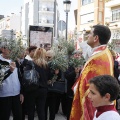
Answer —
67 4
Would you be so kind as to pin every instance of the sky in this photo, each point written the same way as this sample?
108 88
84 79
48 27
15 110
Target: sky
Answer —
13 6
10 6
71 19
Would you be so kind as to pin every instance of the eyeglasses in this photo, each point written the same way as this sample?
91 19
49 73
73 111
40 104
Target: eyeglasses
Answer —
4 47
48 57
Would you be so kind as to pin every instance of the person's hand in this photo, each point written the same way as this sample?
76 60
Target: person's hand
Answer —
49 82
77 69
56 71
12 66
21 98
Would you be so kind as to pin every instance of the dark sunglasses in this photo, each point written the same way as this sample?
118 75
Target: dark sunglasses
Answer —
48 57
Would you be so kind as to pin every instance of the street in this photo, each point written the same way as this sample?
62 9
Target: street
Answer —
58 116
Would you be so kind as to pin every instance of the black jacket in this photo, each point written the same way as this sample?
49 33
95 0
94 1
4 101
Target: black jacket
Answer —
8 72
20 76
43 73
70 76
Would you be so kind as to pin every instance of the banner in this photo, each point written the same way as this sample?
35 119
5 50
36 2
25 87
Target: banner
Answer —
39 35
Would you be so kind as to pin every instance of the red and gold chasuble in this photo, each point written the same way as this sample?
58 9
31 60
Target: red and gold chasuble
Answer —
100 63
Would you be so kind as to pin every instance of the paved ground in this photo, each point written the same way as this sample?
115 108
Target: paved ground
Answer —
58 116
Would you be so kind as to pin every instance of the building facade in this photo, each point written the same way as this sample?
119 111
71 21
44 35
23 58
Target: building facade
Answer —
10 23
39 13
91 12
112 20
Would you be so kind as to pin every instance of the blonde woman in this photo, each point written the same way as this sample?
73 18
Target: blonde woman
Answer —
38 97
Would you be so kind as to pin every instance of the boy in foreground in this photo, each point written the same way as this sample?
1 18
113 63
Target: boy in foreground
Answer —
104 89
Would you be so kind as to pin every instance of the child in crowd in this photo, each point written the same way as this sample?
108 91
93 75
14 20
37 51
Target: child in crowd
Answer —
104 89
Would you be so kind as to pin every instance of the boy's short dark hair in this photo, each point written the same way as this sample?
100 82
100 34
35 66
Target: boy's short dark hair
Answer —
106 84
32 48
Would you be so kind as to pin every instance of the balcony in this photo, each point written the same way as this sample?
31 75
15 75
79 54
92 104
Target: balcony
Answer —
112 23
46 24
110 20
112 3
48 0
45 21
46 10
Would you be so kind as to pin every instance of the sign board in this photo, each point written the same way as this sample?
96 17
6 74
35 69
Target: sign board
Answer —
39 35
61 25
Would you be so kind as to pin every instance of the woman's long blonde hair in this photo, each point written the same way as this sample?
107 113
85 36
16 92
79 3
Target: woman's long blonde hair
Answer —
39 57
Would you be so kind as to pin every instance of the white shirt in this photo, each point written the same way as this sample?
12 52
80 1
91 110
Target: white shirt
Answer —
28 57
11 85
109 115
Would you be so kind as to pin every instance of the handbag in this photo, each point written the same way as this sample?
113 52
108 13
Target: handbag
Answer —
31 79
58 87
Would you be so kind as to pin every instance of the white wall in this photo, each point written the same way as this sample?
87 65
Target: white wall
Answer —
15 22
31 14
9 23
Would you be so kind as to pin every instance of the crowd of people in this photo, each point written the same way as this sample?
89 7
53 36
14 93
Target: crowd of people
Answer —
91 88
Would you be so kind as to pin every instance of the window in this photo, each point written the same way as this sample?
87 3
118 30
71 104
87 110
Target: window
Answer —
87 18
116 15
84 2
